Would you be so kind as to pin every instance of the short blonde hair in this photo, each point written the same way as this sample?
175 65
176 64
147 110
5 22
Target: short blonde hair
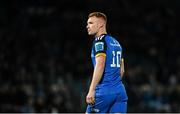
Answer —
98 15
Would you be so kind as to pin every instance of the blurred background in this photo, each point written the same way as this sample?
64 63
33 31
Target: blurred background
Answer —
45 62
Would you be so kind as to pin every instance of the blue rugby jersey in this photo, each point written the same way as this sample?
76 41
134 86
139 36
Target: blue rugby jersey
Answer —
111 82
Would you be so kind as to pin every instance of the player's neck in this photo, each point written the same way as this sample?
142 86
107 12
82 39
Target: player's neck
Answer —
100 33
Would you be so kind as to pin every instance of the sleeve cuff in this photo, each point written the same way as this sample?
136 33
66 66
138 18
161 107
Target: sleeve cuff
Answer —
101 54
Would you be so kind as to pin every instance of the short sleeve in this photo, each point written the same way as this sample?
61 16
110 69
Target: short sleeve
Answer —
100 46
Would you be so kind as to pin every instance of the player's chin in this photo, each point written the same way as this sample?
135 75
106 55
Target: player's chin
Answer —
90 33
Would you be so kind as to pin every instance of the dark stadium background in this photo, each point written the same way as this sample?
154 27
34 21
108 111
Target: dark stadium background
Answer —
45 63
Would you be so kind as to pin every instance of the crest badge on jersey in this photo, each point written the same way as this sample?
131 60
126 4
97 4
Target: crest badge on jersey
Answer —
99 46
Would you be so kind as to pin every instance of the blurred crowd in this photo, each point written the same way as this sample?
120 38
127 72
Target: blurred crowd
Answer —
45 63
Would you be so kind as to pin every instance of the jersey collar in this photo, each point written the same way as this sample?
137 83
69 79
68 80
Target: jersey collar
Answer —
100 37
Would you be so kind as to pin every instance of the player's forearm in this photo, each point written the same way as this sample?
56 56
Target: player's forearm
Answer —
122 71
97 75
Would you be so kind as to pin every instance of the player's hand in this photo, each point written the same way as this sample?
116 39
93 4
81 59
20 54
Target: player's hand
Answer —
90 98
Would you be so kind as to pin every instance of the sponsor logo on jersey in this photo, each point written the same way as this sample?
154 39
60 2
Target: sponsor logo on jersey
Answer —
114 43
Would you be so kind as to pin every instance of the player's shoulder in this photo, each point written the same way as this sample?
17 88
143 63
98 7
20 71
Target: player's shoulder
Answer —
112 41
109 38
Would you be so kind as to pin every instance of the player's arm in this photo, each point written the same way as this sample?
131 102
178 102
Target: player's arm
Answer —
122 70
100 53
98 70
97 75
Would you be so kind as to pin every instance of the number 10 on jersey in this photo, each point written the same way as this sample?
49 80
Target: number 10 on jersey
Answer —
116 58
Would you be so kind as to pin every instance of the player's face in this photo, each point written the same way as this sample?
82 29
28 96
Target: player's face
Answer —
93 26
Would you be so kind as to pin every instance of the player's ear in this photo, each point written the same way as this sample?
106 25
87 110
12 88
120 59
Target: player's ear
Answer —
101 23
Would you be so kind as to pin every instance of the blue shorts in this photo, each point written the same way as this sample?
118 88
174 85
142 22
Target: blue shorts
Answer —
108 104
